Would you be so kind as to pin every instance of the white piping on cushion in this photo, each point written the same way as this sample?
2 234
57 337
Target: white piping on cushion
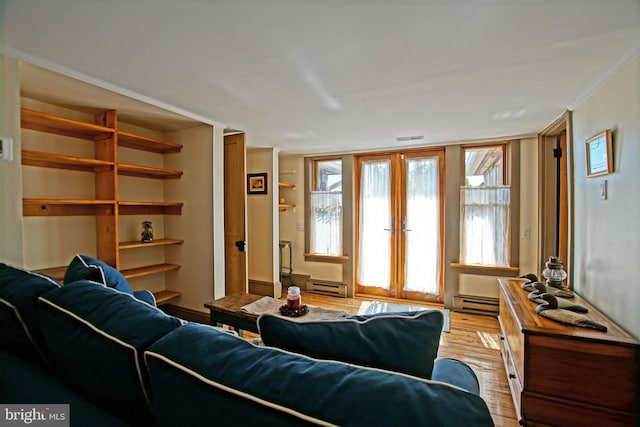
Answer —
237 392
110 337
26 329
99 268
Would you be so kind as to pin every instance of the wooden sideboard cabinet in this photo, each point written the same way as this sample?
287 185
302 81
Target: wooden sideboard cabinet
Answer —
563 375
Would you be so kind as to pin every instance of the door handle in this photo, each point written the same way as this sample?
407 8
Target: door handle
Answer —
241 245
404 225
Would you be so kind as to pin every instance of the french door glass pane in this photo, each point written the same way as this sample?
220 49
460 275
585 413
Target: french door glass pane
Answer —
375 224
422 248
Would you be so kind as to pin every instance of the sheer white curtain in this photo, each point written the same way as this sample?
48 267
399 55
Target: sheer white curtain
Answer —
484 213
326 220
422 250
375 224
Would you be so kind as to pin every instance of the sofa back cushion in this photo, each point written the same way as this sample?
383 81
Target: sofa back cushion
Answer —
400 342
19 292
199 376
95 338
83 267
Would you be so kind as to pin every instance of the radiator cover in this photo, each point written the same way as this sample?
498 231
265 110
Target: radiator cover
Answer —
476 304
326 287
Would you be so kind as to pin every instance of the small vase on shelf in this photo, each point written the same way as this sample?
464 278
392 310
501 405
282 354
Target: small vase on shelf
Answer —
147 232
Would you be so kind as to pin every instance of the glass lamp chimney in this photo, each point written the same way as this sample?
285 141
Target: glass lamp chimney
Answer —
554 273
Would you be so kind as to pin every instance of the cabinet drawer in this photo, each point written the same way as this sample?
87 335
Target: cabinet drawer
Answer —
511 371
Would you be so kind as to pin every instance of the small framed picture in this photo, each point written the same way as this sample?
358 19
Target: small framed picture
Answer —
599 154
257 183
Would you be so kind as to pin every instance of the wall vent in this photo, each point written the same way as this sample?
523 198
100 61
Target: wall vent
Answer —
410 138
326 287
476 304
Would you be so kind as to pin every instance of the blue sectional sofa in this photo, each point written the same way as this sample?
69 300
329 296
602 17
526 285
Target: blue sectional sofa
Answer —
117 360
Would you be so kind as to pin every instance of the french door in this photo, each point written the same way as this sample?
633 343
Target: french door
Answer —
400 224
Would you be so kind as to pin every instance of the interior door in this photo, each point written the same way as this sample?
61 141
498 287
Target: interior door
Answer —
399 230
235 214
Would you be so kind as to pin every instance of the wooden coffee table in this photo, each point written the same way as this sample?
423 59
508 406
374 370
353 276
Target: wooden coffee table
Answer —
226 311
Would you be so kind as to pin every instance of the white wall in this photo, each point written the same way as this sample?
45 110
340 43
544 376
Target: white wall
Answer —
606 233
195 279
11 249
529 206
262 220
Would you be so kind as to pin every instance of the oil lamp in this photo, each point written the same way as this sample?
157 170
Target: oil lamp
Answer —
554 273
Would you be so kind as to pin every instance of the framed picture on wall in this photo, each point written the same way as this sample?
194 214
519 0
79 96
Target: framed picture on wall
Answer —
599 154
257 183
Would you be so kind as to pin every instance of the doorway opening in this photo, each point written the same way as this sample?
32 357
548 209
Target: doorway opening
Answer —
556 192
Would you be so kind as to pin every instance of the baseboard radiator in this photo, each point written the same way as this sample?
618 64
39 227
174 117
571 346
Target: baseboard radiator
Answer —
476 304
326 287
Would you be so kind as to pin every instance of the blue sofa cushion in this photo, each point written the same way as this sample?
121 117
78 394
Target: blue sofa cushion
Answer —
198 375
455 372
401 342
83 267
19 292
96 336
25 383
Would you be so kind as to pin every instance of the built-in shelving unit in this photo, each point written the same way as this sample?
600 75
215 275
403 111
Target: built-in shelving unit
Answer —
284 206
106 205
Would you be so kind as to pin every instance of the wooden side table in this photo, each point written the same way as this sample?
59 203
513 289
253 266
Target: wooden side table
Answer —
226 311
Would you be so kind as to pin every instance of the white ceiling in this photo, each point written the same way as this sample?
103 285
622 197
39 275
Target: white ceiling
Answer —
317 76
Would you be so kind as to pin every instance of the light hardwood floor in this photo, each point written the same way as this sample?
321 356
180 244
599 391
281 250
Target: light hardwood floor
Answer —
473 339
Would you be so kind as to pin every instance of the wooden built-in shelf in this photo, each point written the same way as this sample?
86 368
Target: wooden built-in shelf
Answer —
286 206
66 207
150 208
130 273
157 242
147 171
59 161
285 185
164 297
137 142
56 273
49 123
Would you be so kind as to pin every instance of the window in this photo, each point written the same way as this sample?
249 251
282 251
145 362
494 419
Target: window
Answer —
326 208
484 207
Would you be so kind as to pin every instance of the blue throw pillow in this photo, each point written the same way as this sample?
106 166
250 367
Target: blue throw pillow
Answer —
401 342
199 375
83 267
19 292
95 338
